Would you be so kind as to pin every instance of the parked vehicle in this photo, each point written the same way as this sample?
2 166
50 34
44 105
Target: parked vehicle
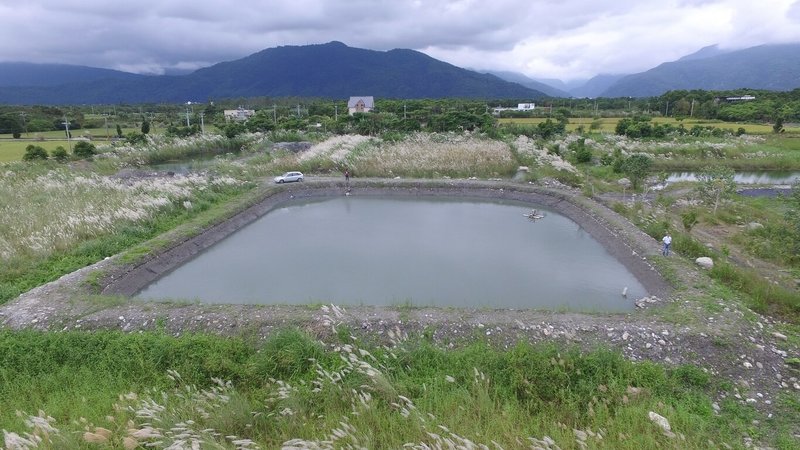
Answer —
289 177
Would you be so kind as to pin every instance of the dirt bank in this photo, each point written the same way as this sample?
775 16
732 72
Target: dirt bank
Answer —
677 326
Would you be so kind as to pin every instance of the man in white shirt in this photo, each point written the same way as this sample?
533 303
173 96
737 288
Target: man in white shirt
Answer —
667 241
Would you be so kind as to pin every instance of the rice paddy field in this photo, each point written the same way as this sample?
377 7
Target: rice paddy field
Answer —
607 124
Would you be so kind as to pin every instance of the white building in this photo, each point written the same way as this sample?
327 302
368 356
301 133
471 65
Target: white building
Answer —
238 115
520 107
360 104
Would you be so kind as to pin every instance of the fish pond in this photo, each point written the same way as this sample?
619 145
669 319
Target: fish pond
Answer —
383 251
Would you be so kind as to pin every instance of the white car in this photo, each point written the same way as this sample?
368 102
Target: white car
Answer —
288 177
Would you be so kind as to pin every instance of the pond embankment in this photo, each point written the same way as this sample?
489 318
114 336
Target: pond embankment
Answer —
677 328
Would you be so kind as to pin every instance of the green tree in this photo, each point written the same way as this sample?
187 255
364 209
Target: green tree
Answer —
233 129
119 131
34 152
778 126
716 184
636 167
84 149
145 126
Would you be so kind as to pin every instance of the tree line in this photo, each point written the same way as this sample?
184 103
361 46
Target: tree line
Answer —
401 115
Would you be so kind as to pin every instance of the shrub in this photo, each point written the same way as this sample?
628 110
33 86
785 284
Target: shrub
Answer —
60 154
689 219
34 152
689 247
135 138
84 149
583 154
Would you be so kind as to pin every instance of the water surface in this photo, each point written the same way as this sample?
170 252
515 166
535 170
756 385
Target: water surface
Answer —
751 177
380 251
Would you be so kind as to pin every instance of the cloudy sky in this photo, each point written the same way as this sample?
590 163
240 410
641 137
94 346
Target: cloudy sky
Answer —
564 39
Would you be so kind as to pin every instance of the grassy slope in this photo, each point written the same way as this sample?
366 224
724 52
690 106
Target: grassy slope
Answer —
294 387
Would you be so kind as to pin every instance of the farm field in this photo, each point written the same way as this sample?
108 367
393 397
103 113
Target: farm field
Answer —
93 133
607 124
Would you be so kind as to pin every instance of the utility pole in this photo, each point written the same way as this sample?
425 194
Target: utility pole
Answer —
66 128
336 113
202 124
187 113
298 110
105 118
24 124
666 112
691 111
404 110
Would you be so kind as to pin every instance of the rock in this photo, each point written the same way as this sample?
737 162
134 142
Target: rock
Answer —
704 262
753 226
659 420
779 336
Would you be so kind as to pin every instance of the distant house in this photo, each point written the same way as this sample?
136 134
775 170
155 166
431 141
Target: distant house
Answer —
743 98
238 115
360 104
739 99
520 107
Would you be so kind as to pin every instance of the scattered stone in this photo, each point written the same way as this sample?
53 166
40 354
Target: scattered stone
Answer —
704 262
659 420
754 226
780 336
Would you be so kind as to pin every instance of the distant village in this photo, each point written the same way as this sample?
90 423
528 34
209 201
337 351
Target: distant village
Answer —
363 104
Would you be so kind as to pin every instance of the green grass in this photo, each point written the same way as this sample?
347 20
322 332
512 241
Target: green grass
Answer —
294 387
13 150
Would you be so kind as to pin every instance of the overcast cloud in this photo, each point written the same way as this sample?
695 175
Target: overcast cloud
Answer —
565 39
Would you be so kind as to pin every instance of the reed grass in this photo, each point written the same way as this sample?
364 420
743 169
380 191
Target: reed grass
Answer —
153 390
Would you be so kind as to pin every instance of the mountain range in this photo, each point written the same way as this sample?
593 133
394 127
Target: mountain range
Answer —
334 70
331 70
768 67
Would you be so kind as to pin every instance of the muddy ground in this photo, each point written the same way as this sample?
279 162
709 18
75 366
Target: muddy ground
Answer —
676 324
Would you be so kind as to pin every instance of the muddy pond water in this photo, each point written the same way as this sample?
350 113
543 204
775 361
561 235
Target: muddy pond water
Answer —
424 252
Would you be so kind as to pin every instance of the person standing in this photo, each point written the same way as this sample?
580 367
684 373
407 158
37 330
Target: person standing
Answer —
346 176
667 240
